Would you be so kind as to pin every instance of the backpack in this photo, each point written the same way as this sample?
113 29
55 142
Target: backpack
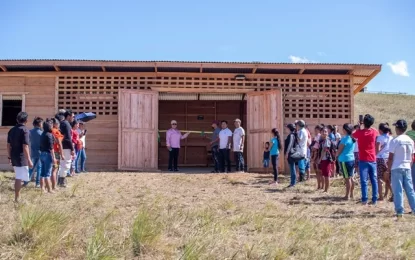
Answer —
331 153
295 154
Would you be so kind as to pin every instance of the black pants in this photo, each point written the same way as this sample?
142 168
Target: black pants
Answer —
274 161
239 161
173 156
224 158
215 157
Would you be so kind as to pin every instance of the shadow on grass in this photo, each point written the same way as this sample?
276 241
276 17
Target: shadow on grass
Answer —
345 214
322 201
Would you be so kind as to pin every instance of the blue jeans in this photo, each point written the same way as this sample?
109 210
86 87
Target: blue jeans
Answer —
80 156
239 161
38 165
47 164
215 157
368 169
301 168
402 180
293 174
413 175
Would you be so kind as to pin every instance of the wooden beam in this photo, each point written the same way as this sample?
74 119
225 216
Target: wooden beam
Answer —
201 68
103 68
3 68
56 68
301 71
254 69
361 86
166 74
155 67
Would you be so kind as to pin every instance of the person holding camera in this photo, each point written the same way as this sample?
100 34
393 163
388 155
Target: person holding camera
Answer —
366 137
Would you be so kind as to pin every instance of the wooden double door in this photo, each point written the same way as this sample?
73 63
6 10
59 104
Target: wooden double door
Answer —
139 123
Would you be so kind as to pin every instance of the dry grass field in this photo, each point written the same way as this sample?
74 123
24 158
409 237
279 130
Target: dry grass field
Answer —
385 108
204 216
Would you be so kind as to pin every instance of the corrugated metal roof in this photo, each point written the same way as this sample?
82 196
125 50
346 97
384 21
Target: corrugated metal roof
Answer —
219 62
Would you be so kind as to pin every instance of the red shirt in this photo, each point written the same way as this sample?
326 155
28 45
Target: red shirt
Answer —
366 142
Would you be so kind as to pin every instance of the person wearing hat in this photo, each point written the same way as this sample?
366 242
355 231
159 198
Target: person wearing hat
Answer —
173 137
214 144
401 152
366 137
238 145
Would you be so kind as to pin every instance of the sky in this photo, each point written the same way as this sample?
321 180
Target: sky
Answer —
327 31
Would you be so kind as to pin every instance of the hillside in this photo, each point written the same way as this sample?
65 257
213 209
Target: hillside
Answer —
385 107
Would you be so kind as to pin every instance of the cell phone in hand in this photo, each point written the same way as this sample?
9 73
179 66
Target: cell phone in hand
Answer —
360 118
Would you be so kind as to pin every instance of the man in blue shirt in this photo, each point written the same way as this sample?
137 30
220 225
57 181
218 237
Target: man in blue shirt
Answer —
34 137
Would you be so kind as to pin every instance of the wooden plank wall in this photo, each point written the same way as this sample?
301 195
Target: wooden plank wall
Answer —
39 101
194 149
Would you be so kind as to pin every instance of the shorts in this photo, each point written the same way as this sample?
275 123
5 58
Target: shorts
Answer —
57 157
382 167
265 163
356 159
347 169
22 173
307 164
325 167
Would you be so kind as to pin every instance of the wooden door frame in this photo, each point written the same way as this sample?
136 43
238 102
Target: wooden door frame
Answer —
155 110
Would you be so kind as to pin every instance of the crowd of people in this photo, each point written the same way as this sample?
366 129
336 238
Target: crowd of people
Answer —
387 161
54 149
378 157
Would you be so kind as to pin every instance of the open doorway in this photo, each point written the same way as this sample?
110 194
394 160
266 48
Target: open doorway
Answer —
196 112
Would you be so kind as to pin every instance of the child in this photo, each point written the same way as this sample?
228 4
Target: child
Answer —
326 158
274 152
345 157
58 150
266 156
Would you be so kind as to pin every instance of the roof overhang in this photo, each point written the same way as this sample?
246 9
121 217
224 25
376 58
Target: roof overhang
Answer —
362 73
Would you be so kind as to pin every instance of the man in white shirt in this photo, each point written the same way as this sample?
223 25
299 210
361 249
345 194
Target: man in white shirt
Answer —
401 151
302 138
238 145
225 140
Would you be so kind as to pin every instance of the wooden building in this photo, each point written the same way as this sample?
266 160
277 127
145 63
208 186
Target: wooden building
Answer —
135 99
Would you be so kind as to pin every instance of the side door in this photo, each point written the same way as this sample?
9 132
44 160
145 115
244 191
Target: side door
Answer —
138 126
264 112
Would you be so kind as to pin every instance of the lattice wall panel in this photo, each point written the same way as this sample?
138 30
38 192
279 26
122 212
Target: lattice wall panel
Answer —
93 94
317 99
306 98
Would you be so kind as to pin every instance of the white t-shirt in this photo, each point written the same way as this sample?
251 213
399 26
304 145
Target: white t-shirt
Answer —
302 140
237 139
384 141
224 135
338 138
402 148
82 138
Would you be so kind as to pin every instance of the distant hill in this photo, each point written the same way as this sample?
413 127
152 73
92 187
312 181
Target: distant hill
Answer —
385 107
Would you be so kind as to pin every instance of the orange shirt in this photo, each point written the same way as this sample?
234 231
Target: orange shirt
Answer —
57 134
